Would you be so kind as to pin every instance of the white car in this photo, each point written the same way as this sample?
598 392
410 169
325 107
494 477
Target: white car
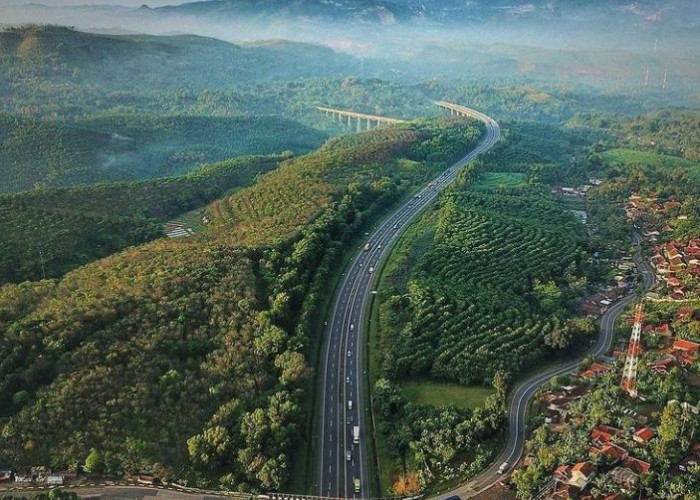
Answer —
504 467
348 455
352 326
349 353
347 380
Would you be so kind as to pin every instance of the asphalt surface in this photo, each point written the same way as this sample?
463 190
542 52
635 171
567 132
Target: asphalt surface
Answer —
520 399
341 460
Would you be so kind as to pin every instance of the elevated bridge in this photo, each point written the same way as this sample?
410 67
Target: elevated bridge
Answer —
363 121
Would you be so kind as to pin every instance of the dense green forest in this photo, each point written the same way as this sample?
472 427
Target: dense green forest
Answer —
48 232
482 287
505 263
188 358
135 146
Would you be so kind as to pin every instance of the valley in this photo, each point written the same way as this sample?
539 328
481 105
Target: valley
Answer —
373 249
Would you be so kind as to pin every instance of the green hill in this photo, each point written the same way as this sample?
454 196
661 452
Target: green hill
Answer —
187 358
48 232
131 147
66 56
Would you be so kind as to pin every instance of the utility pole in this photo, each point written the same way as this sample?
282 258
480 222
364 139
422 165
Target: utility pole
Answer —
663 85
646 77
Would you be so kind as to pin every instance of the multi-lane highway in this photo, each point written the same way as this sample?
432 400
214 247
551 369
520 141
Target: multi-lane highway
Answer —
517 409
343 462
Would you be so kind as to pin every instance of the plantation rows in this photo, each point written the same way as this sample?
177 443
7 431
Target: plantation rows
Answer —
473 307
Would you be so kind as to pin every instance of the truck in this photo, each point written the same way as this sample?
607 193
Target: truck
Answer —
356 484
503 468
356 434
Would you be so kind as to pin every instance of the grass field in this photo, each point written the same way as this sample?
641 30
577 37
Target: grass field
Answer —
443 394
493 180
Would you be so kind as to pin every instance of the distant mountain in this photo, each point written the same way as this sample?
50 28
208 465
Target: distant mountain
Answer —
444 12
170 61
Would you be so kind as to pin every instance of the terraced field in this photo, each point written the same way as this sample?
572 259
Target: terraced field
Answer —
487 292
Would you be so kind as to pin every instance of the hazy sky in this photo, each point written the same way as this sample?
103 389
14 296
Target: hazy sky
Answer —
133 3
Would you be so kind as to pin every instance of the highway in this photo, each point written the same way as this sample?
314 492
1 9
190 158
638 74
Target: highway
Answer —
341 460
520 399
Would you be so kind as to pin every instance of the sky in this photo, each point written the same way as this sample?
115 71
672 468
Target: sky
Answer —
130 3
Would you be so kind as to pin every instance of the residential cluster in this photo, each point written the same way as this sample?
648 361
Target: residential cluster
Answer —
599 440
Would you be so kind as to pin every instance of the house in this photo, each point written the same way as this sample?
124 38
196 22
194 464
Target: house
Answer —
564 492
5 476
684 313
54 480
613 452
663 365
563 473
628 480
635 465
673 281
685 345
664 329
581 474
644 435
595 369
600 436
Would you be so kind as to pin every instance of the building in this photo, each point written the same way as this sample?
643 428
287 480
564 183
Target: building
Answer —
628 480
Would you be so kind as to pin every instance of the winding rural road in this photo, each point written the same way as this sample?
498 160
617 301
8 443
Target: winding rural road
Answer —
343 459
520 399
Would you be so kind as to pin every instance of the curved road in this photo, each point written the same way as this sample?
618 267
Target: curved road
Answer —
342 460
520 399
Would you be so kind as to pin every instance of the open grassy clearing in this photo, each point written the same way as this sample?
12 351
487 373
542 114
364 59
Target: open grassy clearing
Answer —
428 392
502 180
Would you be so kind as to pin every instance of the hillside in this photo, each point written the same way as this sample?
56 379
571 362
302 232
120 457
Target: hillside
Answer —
48 232
188 359
134 146
68 56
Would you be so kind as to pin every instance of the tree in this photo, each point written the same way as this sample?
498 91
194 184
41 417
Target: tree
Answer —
210 447
94 463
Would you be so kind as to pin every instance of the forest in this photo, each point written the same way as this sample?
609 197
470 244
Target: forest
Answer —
48 232
135 146
129 359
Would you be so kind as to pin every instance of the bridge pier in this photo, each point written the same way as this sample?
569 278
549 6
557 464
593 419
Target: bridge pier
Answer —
362 121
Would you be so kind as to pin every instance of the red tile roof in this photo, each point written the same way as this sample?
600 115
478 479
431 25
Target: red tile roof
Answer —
645 433
585 468
686 345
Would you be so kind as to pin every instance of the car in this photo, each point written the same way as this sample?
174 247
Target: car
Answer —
352 326
347 380
504 467
371 269
396 226
348 455
349 353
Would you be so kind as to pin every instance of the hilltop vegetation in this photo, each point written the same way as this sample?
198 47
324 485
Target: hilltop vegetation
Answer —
674 132
134 146
188 359
48 232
